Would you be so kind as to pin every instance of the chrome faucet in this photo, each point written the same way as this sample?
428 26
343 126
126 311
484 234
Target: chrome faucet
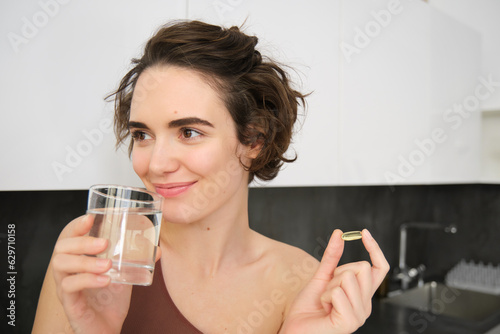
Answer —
406 274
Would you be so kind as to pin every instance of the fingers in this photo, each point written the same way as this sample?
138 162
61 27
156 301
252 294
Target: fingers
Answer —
347 297
331 257
356 285
344 316
71 264
72 269
76 272
352 290
380 266
78 227
362 271
81 245
76 283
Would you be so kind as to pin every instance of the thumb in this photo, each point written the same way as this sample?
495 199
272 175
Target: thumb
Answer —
331 257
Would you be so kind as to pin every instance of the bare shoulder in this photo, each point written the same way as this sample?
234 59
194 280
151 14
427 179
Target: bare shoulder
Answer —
291 258
292 267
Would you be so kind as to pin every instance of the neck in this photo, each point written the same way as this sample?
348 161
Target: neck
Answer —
217 241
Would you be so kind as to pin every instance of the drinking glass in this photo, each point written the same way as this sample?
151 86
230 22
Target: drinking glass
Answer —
130 219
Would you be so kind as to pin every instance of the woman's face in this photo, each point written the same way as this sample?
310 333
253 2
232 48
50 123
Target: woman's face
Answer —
185 143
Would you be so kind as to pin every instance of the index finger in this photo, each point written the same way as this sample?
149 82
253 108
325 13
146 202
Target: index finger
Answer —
380 266
331 257
78 227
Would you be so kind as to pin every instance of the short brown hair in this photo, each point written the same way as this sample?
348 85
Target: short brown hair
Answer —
256 91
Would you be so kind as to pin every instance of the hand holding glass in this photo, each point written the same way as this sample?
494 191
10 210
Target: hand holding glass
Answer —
130 219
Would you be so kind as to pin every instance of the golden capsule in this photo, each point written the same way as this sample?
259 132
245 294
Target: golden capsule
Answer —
353 235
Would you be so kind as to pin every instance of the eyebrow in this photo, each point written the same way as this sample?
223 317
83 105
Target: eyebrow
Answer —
176 123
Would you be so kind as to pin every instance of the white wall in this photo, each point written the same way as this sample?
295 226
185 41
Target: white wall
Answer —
59 59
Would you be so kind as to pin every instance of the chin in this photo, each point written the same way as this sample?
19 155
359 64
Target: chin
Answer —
180 213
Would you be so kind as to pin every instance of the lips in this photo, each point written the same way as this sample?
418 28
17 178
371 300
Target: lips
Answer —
173 189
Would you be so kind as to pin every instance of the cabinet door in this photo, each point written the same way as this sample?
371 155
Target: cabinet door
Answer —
385 93
303 35
405 67
58 61
457 90
482 16
490 143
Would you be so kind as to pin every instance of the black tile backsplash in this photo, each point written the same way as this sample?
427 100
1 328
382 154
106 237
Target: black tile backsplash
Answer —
304 217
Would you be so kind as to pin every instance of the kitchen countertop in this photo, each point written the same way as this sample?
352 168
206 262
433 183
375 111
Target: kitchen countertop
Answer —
393 319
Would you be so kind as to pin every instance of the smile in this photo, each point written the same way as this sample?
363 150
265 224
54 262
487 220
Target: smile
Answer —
173 189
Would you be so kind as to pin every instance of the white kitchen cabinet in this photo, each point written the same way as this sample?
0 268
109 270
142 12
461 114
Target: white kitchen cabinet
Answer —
385 95
381 88
382 73
490 147
456 87
482 16
59 60
409 64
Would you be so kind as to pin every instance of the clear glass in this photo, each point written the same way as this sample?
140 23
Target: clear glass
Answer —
130 219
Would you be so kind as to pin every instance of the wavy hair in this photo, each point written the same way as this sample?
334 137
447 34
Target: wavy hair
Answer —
256 91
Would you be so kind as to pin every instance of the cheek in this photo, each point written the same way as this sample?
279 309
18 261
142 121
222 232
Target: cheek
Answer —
217 163
201 162
140 162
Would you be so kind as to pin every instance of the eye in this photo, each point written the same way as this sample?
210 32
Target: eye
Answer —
188 133
139 136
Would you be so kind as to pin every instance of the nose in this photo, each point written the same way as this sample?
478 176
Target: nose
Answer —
164 158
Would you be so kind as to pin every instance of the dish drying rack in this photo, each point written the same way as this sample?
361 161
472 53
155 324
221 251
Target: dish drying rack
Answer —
475 276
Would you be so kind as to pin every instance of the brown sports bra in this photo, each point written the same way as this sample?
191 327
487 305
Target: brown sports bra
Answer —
153 311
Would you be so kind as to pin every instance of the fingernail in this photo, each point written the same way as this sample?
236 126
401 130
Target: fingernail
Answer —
88 218
102 263
368 234
99 242
103 279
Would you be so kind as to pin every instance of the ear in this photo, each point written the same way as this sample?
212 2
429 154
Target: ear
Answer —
254 149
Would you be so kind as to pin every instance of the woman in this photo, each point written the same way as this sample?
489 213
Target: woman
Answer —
207 114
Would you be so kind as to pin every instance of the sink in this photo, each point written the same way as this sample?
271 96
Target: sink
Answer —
439 299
